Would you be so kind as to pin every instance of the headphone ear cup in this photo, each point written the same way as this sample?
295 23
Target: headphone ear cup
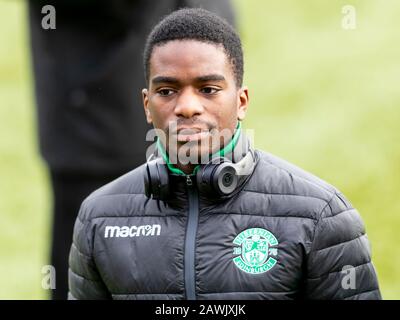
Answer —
218 179
157 180
225 179
204 178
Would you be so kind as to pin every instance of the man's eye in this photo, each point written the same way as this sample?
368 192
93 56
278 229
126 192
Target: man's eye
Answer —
165 92
209 90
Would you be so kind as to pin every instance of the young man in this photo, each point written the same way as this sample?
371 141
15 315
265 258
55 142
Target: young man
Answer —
249 227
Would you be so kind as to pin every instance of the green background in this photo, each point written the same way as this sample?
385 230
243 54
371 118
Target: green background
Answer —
323 97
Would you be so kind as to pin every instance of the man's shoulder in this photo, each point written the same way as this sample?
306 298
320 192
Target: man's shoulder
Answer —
110 196
289 183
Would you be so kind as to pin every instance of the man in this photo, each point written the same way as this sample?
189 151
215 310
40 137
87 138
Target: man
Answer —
242 225
88 76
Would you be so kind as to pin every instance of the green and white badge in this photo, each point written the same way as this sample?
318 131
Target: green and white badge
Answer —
255 251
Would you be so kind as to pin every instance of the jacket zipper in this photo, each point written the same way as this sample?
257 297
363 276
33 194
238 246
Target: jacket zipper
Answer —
190 240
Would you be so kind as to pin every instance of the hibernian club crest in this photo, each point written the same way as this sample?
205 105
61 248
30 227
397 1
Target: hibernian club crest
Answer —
255 251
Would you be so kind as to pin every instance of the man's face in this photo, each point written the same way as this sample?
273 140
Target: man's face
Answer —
193 96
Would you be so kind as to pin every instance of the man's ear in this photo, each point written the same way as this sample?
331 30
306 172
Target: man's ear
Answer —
242 103
145 96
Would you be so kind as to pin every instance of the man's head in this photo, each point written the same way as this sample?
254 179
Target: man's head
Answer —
194 70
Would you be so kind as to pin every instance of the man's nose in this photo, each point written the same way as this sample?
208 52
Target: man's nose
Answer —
188 104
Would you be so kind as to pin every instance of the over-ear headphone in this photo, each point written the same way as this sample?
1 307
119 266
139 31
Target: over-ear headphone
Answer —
156 180
218 178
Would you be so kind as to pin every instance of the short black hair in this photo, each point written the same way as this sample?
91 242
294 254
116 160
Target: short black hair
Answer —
196 24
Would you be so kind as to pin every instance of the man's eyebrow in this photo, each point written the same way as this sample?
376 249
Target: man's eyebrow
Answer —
211 77
205 78
164 79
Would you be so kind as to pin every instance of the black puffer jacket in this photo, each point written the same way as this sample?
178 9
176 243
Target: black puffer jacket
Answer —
284 234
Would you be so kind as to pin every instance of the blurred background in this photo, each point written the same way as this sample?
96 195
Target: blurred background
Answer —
323 97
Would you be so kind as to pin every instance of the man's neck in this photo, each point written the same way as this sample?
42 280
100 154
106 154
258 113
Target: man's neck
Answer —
186 168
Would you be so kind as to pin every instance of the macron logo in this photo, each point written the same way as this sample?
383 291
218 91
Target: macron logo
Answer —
133 231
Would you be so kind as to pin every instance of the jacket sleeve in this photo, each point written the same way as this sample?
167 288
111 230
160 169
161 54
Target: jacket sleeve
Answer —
339 263
83 277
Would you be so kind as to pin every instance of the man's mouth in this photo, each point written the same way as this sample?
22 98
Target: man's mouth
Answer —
191 134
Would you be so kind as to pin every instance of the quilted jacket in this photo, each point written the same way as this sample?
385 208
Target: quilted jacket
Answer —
283 234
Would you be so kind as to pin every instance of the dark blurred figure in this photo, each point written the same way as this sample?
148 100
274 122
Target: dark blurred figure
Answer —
88 79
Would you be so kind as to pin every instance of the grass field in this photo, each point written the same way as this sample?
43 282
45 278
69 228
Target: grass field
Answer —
322 97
